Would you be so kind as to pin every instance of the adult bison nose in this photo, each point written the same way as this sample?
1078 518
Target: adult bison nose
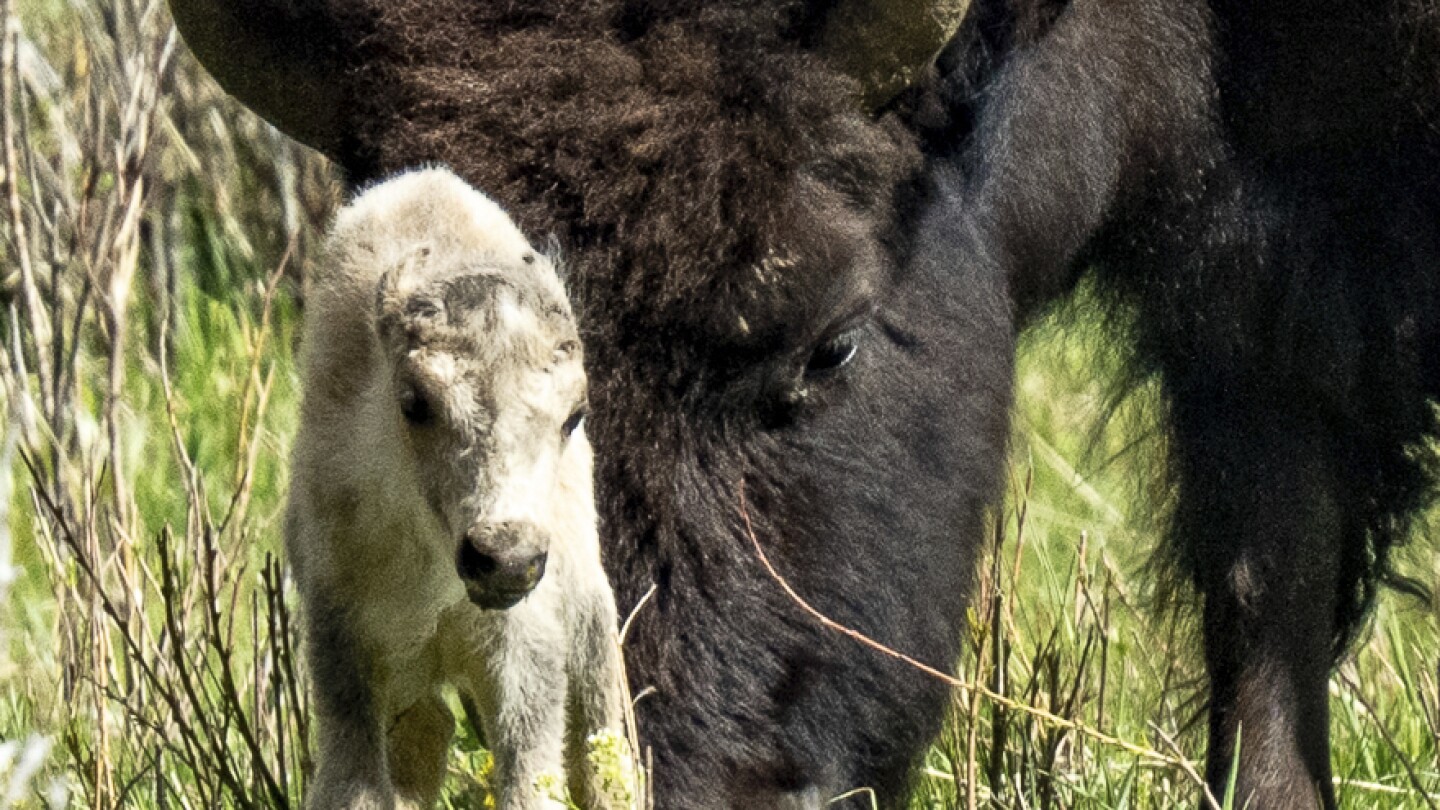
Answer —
501 563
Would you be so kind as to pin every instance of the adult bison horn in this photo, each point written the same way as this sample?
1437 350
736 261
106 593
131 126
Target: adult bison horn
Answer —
278 57
885 44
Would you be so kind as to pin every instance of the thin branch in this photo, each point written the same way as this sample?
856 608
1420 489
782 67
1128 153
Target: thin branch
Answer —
19 233
1209 795
964 686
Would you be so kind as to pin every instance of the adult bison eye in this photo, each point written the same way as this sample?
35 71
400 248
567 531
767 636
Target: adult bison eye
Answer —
572 422
415 407
833 353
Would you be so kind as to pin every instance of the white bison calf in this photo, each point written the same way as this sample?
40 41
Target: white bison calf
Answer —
441 519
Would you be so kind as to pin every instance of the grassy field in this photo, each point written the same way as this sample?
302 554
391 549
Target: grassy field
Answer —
153 235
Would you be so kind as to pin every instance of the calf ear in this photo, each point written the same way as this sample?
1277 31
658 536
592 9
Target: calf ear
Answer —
280 58
403 312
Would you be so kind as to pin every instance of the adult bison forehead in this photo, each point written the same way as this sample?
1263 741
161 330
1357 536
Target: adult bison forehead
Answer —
692 168
719 192
672 147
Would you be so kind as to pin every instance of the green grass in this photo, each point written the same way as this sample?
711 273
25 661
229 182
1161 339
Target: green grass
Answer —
148 641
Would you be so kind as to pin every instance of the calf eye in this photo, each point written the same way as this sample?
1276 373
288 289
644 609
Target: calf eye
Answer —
415 407
833 353
573 421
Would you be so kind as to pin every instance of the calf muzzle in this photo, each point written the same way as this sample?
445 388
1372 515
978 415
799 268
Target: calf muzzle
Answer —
501 564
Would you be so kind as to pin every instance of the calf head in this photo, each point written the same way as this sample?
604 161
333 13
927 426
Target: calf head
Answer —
483 385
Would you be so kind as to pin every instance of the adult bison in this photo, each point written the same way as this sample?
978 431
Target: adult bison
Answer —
802 244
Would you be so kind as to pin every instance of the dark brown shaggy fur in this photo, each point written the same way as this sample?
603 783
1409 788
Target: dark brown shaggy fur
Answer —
665 157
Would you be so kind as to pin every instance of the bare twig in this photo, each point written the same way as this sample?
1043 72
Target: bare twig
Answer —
969 688
32 305
646 798
1205 791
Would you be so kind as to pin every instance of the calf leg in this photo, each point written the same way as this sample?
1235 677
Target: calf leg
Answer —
350 769
418 743
597 699
522 697
1261 524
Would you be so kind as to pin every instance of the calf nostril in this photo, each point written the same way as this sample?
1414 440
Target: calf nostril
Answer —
486 564
474 563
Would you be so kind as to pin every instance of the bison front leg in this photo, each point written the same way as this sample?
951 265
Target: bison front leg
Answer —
521 692
1262 528
350 769
419 740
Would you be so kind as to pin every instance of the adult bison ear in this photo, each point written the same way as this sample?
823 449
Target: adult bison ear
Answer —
280 58
886 44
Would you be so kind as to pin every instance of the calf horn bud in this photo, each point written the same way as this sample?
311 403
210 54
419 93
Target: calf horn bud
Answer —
277 57
885 44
